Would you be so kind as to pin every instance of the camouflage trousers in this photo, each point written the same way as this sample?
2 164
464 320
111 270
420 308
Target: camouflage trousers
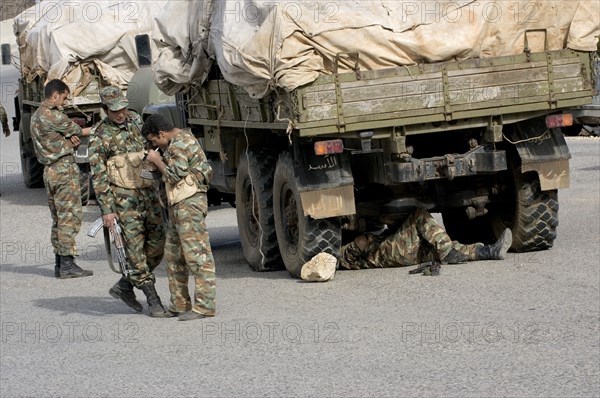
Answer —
420 238
64 200
141 219
188 251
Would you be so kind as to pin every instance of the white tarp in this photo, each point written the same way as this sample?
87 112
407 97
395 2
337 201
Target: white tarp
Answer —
70 39
261 45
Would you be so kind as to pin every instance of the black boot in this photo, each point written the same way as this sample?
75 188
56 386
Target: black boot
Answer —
68 269
455 257
57 266
123 290
155 307
498 250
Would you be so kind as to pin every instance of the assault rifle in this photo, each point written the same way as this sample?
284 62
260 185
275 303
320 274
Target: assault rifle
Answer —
113 237
428 268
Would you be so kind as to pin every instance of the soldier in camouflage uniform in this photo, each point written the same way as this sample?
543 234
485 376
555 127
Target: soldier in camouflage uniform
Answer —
186 174
419 239
4 119
116 149
55 137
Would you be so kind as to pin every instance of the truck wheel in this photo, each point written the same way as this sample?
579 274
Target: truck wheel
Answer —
300 237
254 209
32 170
532 215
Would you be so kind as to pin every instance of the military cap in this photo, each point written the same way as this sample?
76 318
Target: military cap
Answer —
113 98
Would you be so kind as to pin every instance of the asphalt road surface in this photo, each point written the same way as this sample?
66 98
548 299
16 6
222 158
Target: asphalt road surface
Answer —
525 326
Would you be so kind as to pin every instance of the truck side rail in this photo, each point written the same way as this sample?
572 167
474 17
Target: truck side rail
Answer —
443 92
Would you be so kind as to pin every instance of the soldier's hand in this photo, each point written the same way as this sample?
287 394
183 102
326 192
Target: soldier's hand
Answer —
109 219
6 132
75 140
153 156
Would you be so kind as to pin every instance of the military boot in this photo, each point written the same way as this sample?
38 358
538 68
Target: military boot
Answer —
455 257
123 290
56 266
498 250
69 269
155 307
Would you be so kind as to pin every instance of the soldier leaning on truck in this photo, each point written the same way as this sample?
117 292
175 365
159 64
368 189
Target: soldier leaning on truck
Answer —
55 138
116 151
420 239
186 174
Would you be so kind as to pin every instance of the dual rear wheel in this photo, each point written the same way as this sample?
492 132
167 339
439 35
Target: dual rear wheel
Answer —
274 230
530 213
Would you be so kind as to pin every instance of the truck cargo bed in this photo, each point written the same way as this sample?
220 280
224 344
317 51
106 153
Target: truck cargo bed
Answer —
443 92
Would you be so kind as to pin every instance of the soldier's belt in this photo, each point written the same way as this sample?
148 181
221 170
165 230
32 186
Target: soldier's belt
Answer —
63 159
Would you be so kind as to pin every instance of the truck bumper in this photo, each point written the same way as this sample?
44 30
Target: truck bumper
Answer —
477 161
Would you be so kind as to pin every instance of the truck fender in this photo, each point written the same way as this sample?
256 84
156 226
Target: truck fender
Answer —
325 183
543 150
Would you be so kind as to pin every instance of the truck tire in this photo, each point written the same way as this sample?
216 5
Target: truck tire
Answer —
532 215
254 210
300 237
31 169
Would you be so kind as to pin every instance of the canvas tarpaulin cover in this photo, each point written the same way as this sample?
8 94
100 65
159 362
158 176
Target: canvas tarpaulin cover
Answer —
262 45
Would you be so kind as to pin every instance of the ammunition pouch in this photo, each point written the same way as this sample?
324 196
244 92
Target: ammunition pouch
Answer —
185 188
125 171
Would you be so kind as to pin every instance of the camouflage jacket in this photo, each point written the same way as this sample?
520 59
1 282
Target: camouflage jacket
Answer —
50 131
107 140
184 156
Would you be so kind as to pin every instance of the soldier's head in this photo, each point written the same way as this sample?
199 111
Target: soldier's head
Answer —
114 104
158 130
56 91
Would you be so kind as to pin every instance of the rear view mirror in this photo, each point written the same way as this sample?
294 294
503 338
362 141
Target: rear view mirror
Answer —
6 54
144 52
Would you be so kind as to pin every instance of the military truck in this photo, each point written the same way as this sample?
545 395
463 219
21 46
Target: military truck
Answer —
102 57
360 148
85 109
349 148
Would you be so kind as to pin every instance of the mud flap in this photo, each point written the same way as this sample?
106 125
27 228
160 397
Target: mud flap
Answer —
544 151
325 183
